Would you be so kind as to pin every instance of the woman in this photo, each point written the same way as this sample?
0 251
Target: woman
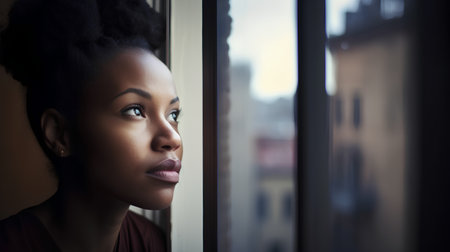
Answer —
104 110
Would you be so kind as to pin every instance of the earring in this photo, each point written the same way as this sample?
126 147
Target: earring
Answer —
61 151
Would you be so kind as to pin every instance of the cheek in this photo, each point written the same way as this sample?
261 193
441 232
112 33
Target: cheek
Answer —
118 159
117 153
115 148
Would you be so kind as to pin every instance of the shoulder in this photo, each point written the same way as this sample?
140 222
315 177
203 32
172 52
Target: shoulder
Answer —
12 231
23 232
140 223
140 233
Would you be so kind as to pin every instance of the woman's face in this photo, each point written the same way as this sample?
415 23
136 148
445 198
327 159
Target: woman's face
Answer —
128 128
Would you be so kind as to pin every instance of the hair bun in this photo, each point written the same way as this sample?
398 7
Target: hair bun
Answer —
47 40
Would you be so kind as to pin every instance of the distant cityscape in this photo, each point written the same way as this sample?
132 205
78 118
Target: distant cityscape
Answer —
262 161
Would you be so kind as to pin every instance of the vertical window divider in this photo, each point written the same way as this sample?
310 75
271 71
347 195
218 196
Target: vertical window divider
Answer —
209 37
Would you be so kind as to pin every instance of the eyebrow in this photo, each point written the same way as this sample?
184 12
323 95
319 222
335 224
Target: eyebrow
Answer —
176 99
136 91
143 94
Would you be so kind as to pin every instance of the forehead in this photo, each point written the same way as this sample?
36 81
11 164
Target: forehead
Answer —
133 68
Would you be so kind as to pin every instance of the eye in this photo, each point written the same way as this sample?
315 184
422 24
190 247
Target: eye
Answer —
173 116
134 111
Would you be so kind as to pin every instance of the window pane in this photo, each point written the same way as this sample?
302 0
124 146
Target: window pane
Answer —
368 55
256 126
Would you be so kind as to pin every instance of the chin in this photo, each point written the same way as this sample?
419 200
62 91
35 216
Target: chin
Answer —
156 201
154 205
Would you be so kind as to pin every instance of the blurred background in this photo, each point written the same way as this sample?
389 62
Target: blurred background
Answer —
370 172
257 80
369 84
256 132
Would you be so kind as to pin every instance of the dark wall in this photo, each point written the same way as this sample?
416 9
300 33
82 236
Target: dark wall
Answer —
25 177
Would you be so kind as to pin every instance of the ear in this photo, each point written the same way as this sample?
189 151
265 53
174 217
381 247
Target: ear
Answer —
55 129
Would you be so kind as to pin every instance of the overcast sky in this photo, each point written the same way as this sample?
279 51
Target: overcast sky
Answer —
336 14
264 34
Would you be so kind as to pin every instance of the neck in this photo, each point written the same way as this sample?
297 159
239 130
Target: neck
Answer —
83 220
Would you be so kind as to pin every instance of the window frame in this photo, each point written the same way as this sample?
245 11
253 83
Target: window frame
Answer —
209 37
211 43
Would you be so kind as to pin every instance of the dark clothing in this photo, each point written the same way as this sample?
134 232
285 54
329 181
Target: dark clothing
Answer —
25 232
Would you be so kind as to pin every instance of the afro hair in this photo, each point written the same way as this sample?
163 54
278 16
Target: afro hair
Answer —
53 47
46 38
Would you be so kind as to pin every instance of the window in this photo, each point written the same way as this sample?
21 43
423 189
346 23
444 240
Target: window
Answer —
287 206
262 207
330 157
254 56
338 110
358 198
356 111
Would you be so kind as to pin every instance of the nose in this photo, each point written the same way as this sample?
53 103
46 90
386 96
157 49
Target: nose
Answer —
166 138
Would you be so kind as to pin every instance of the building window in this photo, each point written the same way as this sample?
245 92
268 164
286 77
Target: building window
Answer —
356 111
338 110
275 246
287 206
262 206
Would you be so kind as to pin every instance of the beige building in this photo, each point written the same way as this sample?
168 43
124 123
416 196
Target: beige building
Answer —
369 149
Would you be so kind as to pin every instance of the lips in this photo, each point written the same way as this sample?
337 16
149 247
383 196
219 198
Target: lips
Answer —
167 171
